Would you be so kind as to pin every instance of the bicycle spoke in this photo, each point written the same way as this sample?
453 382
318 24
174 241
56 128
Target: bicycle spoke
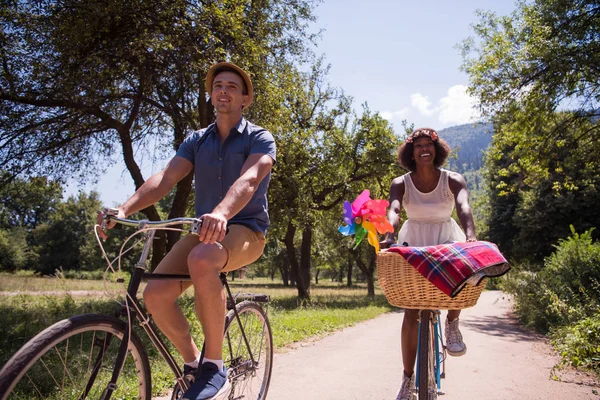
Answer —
249 374
77 363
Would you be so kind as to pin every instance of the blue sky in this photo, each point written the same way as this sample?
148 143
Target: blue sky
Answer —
398 56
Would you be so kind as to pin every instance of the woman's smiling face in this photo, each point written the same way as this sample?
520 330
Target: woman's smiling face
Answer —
423 150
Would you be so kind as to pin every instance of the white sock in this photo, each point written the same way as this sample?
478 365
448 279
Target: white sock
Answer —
218 363
194 364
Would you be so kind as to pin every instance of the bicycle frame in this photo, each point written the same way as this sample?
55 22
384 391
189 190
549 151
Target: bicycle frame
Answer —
132 305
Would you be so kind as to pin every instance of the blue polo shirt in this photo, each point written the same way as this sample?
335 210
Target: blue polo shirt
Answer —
218 165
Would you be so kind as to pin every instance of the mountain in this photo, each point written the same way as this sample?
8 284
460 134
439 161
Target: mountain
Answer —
468 143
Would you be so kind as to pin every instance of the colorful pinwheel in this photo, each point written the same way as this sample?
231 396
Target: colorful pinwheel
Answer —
366 217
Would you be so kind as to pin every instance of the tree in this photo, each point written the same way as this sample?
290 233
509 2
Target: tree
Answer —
536 76
64 240
544 56
329 153
26 203
535 200
82 80
13 249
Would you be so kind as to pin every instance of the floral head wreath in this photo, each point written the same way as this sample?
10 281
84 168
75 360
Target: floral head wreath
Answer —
422 132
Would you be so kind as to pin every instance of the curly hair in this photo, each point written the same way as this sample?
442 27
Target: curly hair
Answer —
405 153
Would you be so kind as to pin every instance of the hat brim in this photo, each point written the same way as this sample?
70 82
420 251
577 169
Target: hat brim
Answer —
225 66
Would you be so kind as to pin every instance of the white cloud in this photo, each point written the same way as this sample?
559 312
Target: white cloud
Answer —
457 107
390 115
422 104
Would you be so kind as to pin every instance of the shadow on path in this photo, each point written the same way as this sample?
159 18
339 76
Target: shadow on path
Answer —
505 326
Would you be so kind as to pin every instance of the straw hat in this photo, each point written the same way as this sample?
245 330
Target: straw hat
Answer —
227 66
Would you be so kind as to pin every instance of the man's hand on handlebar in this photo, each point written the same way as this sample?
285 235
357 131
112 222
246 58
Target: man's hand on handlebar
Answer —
103 220
214 228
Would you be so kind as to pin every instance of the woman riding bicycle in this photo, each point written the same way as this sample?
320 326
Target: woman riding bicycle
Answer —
429 195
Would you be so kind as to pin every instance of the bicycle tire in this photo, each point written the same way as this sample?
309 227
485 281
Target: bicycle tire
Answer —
427 387
248 380
79 347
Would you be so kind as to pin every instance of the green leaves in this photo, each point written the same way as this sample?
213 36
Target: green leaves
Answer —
535 74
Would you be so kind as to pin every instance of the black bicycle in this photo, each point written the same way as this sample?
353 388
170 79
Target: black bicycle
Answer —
99 356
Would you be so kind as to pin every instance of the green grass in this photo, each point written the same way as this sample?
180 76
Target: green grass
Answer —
34 283
332 307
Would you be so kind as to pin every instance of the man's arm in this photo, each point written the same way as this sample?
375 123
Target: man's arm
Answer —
157 186
154 189
458 186
214 224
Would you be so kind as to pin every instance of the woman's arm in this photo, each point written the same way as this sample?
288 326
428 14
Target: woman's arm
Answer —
396 194
458 186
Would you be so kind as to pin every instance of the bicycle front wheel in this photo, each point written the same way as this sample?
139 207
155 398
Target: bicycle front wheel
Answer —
248 363
75 359
427 387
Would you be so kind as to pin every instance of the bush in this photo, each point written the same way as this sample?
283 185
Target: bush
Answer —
573 272
77 274
563 297
579 345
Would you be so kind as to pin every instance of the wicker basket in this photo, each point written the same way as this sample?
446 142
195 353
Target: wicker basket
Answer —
405 287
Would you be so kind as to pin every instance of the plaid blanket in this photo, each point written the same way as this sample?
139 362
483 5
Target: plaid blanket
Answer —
451 266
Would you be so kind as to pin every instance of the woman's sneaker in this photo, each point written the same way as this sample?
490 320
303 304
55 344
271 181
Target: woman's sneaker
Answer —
407 387
454 340
210 383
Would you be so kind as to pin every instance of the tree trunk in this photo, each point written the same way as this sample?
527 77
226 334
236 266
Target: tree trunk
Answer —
317 276
305 258
367 270
179 206
160 243
349 272
293 260
284 269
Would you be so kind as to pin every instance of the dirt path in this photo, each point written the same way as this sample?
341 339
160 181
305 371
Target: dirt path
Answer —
504 361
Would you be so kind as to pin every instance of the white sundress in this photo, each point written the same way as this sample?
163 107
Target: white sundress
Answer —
430 219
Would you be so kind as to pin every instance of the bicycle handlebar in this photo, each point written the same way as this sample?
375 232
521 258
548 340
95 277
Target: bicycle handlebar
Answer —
109 215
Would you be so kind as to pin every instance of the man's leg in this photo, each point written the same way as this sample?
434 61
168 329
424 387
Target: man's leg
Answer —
160 297
205 264
240 247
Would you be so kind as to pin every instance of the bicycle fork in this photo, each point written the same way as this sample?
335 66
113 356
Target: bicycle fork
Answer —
439 351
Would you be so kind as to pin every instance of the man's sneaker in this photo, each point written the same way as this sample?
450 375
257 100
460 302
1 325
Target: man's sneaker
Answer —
454 341
210 383
408 385
189 373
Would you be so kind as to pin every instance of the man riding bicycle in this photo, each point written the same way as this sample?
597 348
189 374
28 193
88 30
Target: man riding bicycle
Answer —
232 160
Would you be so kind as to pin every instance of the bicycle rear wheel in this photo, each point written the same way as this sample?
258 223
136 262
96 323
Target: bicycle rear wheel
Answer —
249 376
427 386
75 359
